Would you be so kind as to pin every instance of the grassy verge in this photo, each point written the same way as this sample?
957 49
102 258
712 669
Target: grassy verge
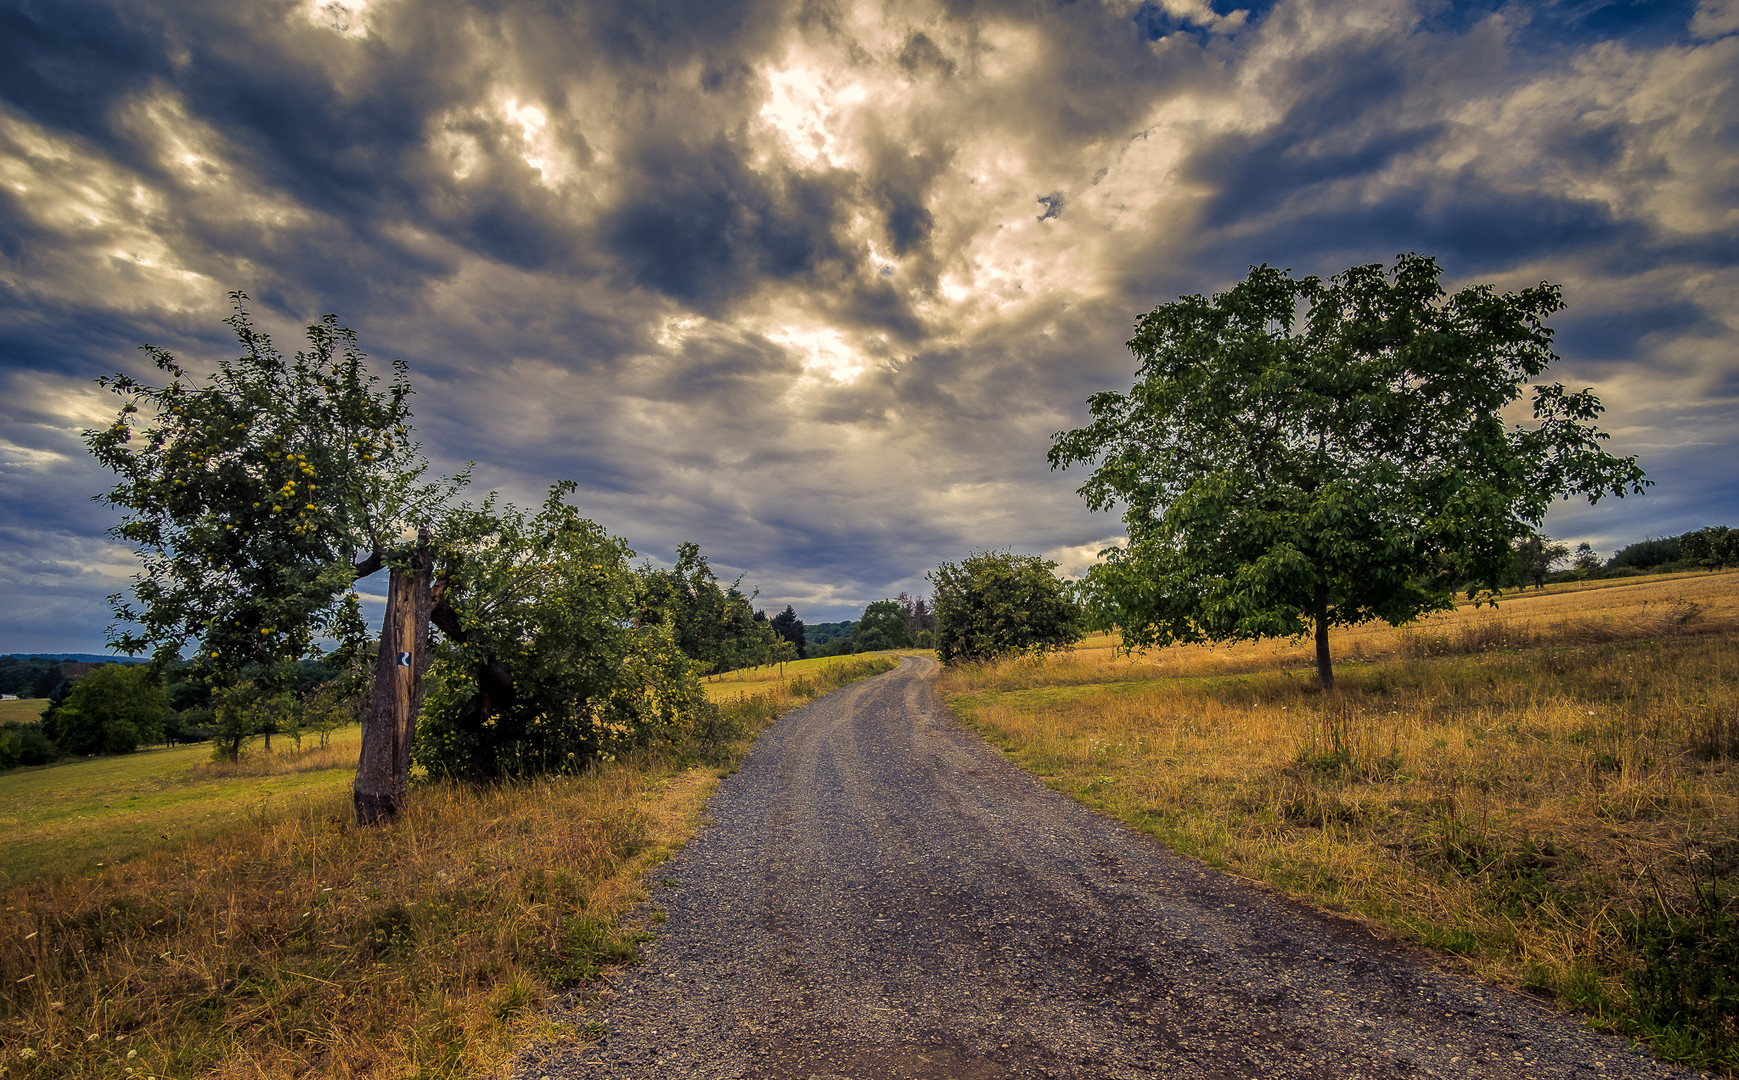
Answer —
288 943
1548 793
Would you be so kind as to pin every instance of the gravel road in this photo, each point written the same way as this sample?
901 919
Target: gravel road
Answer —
881 896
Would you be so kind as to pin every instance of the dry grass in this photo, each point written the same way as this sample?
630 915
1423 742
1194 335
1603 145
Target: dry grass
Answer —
297 945
1524 788
294 944
779 678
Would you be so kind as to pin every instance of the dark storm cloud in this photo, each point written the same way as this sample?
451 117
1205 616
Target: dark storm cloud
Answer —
772 276
704 229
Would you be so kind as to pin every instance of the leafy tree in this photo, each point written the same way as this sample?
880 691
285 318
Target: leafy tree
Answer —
1716 547
189 725
24 744
830 639
256 498
543 669
790 628
112 710
995 602
1586 560
1298 454
883 626
1536 555
56 698
1647 554
712 624
919 617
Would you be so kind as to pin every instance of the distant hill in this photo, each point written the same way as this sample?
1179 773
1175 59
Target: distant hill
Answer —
77 657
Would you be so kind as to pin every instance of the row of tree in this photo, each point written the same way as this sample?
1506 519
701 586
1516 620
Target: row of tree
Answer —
1539 558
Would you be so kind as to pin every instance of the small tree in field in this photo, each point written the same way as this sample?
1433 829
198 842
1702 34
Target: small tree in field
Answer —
994 603
1535 557
1716 547
256 498
1300 454
111 710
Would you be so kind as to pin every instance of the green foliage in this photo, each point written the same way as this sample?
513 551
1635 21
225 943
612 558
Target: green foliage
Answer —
1299 453
1535 556
1716 547
1647 554
24 744
112 710
19 675
712 624
1687 987
995 603
543 669
790 628
249 495
883 626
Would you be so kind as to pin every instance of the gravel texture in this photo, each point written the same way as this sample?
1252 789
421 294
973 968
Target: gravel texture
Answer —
881 896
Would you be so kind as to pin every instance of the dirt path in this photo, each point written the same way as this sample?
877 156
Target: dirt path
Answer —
880 896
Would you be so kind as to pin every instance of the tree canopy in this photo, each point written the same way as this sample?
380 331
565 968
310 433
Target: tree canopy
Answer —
1716 547
882 626
994 603
543 669
713 624
256 497
1298 454
790 629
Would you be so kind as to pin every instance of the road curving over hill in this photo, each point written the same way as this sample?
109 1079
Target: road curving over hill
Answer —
880 896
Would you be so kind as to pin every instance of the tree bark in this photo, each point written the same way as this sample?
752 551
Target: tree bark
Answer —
1324 668
383 772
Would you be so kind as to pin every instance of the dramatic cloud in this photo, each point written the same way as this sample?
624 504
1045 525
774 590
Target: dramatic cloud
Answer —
814 281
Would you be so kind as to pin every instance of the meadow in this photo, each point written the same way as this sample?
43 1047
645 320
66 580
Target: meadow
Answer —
170 917
1546 792
24 711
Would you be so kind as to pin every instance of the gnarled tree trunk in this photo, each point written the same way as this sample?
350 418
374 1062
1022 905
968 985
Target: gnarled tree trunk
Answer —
383 772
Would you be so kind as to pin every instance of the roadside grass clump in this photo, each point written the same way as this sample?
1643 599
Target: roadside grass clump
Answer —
277 939
1548 792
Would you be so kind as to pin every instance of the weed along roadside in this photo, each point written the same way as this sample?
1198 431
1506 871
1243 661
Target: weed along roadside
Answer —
1547 794
283 941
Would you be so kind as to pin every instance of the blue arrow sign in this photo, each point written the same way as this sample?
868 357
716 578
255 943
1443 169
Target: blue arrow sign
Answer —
404 659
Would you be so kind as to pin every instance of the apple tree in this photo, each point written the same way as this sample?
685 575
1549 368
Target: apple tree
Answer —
256 498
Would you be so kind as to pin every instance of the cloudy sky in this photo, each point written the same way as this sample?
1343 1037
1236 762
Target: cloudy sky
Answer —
813 282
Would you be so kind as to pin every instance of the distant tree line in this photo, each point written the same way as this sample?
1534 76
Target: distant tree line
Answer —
1539 560
118 707
901 622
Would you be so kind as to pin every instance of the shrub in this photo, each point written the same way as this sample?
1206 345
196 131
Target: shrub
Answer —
994 603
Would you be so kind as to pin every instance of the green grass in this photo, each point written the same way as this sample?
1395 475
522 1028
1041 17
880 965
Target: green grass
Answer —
25 711
69 817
